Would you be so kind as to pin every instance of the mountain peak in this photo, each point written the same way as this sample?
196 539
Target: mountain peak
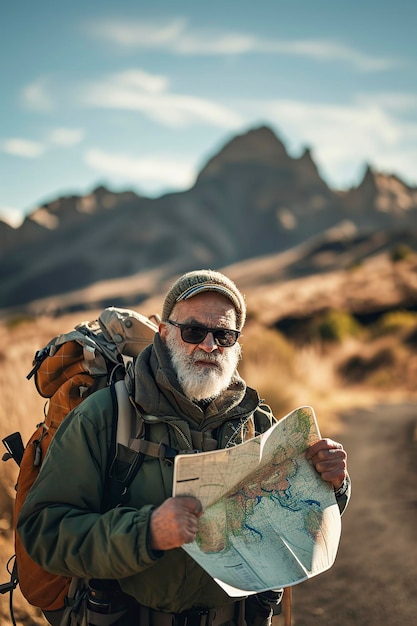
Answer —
259 145
255 200
308 169
368 184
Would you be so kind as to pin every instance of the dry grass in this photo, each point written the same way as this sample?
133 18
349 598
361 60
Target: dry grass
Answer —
317 375
21 408
288 377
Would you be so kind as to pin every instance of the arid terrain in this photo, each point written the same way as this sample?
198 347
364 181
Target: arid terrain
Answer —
363 392
330 280
373 580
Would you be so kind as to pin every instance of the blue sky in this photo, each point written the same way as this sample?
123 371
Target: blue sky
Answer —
139 96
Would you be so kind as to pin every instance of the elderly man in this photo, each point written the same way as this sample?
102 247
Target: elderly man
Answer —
188 382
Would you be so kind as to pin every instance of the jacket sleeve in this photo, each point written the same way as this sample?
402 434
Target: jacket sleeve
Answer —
61 524
343 494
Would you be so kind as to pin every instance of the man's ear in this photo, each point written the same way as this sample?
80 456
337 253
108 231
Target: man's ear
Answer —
162 329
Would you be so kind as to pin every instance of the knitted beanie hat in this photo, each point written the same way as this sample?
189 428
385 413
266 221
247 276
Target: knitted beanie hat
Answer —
196 282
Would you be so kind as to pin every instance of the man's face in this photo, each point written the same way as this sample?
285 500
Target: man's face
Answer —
204 370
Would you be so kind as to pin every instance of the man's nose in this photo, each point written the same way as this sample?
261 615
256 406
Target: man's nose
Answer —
209 344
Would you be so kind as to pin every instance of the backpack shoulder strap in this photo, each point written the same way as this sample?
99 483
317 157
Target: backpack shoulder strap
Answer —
124 463
127 417
131 427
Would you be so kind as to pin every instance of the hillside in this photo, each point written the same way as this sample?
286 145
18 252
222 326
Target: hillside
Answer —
249 201
363 391
342 375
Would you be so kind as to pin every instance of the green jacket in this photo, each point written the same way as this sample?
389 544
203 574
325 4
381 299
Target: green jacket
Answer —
62 524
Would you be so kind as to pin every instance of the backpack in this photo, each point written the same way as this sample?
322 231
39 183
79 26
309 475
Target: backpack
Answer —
68 369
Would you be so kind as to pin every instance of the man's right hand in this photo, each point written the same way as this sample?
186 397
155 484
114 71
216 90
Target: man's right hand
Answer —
175 522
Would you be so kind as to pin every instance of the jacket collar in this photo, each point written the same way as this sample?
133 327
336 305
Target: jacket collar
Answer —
158 392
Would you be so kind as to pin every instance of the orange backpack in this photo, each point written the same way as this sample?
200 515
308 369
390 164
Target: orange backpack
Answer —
69 368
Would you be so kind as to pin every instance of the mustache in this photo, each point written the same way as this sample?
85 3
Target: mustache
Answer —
200 355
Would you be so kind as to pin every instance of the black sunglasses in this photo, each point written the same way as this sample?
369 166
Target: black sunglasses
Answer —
193 333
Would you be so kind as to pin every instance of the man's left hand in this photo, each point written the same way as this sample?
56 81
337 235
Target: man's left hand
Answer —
330 461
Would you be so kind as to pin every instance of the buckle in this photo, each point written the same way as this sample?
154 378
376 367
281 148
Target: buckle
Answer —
191 618
188 451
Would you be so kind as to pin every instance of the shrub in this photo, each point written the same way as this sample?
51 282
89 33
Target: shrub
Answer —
395 321
18 320
354 265
359 368
335 326
269 365
411 339
400 253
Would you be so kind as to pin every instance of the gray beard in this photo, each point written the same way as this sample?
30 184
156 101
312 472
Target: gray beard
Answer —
202 383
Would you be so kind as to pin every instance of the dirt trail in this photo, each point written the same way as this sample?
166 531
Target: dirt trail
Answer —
374 579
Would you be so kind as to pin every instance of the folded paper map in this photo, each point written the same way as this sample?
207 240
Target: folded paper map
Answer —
269 520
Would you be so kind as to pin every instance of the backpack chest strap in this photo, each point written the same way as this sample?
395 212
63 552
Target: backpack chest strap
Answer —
156 450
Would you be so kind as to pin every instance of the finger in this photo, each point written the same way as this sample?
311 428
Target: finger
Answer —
191 531
336 477
330 464
334 455
323 444
192 504
332 470
171 525
327 459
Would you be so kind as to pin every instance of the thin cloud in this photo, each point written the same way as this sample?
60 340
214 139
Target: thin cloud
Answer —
23 147
150 171
135 34
139 79
394 101
344 137
176 37
26 148
36 96
401 162
326 50
135 90
66 137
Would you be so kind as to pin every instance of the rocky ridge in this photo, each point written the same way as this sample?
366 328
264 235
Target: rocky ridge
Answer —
249 201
